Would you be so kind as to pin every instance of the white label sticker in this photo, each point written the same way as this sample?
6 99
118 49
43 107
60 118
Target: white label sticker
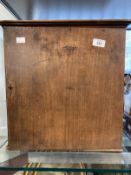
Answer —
99 42
20 39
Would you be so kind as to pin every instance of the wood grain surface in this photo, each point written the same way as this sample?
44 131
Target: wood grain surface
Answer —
63 93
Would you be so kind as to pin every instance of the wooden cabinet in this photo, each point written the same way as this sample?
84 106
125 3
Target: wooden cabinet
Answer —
64 82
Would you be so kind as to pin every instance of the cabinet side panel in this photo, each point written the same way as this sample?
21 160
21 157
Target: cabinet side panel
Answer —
64 93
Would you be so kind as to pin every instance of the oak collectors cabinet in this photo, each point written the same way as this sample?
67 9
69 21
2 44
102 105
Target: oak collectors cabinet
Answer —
64 82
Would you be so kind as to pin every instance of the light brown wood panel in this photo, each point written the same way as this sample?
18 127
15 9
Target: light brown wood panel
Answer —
63 93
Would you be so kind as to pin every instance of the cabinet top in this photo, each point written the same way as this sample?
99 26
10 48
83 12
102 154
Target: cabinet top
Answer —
106 23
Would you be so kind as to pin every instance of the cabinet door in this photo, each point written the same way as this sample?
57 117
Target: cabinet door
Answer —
64 91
